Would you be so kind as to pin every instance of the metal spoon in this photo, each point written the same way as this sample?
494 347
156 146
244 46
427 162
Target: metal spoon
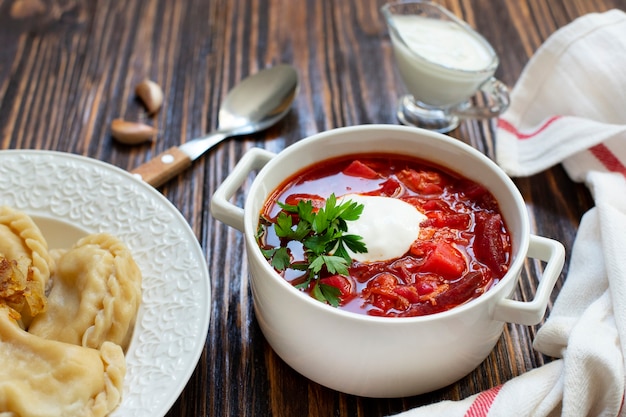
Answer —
255 104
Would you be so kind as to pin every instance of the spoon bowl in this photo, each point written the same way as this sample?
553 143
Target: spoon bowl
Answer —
255 104
259 101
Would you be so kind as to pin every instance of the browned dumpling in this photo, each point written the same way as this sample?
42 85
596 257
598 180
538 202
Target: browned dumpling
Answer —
21 240
95 295
46 378
18 288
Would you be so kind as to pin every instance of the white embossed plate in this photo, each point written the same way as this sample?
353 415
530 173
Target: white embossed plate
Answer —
70 196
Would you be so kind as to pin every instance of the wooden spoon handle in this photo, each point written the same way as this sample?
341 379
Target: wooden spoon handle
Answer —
163 167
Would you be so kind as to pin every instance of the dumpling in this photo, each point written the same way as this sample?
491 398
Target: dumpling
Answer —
21 239
47 378
95 295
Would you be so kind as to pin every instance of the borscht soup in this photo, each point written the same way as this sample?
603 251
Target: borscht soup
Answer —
385 235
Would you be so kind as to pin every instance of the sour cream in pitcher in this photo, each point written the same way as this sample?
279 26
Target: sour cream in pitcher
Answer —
441 62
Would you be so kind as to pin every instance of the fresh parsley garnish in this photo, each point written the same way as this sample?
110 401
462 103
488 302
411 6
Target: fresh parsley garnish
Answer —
323 235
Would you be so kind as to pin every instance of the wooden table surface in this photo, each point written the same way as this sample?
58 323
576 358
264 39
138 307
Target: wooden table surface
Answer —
69 67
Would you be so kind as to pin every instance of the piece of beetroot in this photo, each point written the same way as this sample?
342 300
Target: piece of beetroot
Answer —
488 244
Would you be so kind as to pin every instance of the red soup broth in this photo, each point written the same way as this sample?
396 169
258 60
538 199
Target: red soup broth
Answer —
463 248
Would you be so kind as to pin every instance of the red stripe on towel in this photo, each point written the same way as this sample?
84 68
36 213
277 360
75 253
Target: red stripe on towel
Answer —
504 125
481 405
608 159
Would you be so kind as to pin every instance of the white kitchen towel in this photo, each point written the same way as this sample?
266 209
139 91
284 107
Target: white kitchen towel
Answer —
570 98
569 107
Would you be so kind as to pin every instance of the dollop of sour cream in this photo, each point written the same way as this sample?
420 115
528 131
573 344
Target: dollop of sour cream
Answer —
387 225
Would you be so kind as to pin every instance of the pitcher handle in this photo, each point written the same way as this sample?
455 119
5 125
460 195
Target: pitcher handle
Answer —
498 100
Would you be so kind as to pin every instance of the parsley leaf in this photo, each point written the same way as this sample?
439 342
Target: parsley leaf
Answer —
283 225
322 233
326 293
354 243
333 264
281 259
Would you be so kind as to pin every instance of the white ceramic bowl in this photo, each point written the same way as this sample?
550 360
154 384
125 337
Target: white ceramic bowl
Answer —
378 356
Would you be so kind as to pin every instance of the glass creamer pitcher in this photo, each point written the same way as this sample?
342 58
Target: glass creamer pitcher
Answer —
443 63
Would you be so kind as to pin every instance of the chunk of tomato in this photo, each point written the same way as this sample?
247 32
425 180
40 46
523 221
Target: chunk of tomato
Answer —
359 169
388 188
316 200
445 260
344 284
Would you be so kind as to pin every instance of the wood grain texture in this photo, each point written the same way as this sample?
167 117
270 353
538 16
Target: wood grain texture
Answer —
69 67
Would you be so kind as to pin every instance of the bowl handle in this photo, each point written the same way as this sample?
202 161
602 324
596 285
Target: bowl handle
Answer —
221 207
532 312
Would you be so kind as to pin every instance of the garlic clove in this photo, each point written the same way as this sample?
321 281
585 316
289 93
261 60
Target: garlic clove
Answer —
131 133
150 94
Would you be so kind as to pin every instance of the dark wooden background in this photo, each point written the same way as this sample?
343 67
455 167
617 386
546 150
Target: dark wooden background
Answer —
68 67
